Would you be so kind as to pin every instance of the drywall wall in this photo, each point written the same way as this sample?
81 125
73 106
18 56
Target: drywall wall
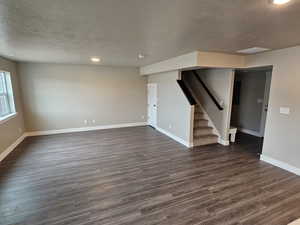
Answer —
179 62
12 129
197 59
247 114
220 60
220 83
61 96
173 109
282 131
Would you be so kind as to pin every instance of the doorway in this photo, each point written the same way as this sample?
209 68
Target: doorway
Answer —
152 104
250 105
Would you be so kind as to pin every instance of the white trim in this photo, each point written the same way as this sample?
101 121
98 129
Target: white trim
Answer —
4 119
223 142
251 132
280 164
12 147
80 129
264 113
191 125
174 137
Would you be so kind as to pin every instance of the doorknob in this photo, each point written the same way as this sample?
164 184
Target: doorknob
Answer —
266 108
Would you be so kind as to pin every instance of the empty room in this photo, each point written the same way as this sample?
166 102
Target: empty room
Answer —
140 112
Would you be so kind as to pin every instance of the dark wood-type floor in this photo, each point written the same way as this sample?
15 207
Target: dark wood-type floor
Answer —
249 143
137 176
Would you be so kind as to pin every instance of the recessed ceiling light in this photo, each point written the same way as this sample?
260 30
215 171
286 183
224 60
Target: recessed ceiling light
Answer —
280 2
95 59
253 50
141 56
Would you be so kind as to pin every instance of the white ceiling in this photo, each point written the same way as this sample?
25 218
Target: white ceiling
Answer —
71 31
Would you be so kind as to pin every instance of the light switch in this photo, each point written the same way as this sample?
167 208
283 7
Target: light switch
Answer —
284 110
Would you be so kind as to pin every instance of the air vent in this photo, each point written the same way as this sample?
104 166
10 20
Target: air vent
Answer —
252 50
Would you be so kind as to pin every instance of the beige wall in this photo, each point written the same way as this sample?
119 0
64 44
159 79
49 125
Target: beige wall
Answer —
197 59
172 64
220 60
59 96
12 129
220 83
248 113
282 131
174 110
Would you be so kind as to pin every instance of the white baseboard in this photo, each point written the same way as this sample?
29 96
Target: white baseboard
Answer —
251 132
174 137
280 164
12 147
223 142
81 129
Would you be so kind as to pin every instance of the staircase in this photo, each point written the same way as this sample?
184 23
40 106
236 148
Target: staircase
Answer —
203 133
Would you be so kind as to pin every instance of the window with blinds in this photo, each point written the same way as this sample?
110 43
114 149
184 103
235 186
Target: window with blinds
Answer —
7 106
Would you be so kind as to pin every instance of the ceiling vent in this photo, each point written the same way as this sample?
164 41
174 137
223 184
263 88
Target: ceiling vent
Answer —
253 50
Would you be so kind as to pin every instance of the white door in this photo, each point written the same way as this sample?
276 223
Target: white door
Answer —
152 104
266 103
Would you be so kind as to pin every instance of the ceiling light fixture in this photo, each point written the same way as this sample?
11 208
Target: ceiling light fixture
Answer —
280 2
95 59
141 56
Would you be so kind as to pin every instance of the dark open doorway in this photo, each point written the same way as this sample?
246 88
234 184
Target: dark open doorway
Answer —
250 106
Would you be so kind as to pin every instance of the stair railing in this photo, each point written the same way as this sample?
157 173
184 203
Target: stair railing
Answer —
208 91
186 92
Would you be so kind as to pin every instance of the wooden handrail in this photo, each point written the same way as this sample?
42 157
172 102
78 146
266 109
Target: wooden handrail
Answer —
208 91
186 92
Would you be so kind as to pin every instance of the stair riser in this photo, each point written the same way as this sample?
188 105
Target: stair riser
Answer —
206 141
198 110
203 132
201 123
199 116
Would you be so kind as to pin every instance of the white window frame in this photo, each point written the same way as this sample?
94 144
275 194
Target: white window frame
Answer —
8 95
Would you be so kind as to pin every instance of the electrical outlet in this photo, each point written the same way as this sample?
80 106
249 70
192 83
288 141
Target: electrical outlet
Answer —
85 122
94 121
143 117
170 126
20 130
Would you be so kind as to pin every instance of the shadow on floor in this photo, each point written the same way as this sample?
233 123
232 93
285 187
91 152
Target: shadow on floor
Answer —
249 143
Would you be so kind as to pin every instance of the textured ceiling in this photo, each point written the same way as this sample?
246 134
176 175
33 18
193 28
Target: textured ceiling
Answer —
71 31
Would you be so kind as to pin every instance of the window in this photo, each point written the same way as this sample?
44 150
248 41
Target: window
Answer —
7 106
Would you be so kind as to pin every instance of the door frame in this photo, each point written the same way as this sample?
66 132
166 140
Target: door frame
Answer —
264 114
153 85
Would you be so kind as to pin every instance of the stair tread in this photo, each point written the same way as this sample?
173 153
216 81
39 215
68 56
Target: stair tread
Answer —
197 126
203 134
207 141
211 143
201 119
207 136
203 128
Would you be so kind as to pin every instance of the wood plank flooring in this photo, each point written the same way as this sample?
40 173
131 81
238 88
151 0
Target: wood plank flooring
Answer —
137 176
